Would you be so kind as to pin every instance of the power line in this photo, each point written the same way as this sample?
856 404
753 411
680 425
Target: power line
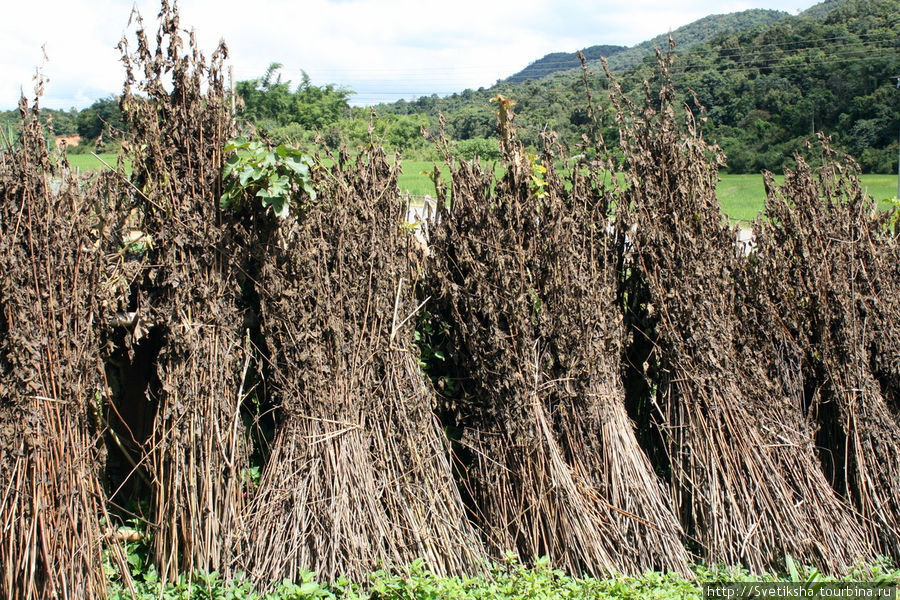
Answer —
738 51
836 58
747 63
734 53
377 95
801 54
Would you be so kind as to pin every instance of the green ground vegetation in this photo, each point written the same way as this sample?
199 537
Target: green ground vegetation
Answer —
508 580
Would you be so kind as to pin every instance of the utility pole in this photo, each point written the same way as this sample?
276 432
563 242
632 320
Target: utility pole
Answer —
231 77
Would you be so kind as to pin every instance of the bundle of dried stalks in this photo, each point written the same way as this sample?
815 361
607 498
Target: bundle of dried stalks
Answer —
189 294
829 265
584 331
51 378
744 471
520 271
358 475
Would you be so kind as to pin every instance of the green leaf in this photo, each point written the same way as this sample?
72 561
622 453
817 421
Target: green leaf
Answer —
269 160
298 166
792 568
284 151
257 149
225 202
309 190
231 163
248 173
278 204
265 174
310 588
236 144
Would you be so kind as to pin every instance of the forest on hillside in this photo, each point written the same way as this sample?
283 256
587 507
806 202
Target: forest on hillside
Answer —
766 91
623 57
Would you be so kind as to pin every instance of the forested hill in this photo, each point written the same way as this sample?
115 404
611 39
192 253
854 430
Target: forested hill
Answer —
562 61
821 10
621 57
766 90
698 32
708 28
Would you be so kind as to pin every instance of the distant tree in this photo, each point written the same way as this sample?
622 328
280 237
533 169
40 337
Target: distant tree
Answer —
266 98
318 106
269 102
472 122
65 122
10 126
484 148
102 117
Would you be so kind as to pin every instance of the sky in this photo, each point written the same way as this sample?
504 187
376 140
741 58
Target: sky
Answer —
382 50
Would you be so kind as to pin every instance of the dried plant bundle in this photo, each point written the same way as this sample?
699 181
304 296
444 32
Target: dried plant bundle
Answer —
188 294
522 273
51 376
359 474
832 277
744 471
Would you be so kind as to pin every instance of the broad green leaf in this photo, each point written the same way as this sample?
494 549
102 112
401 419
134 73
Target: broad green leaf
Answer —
269 160
299 166
236 143
231 163
248 173
310 588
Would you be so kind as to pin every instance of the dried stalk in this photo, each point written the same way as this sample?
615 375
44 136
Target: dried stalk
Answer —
831 267
522 273
188 293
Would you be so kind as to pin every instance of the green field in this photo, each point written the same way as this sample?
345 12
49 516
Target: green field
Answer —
742 196
88 162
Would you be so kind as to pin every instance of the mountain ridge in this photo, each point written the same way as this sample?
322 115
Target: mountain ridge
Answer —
563 61
687 36
622 57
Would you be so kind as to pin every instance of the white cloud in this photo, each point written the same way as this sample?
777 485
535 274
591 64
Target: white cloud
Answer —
382 49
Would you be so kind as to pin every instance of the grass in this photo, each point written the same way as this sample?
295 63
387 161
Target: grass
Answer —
881 187
743 196
415 177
